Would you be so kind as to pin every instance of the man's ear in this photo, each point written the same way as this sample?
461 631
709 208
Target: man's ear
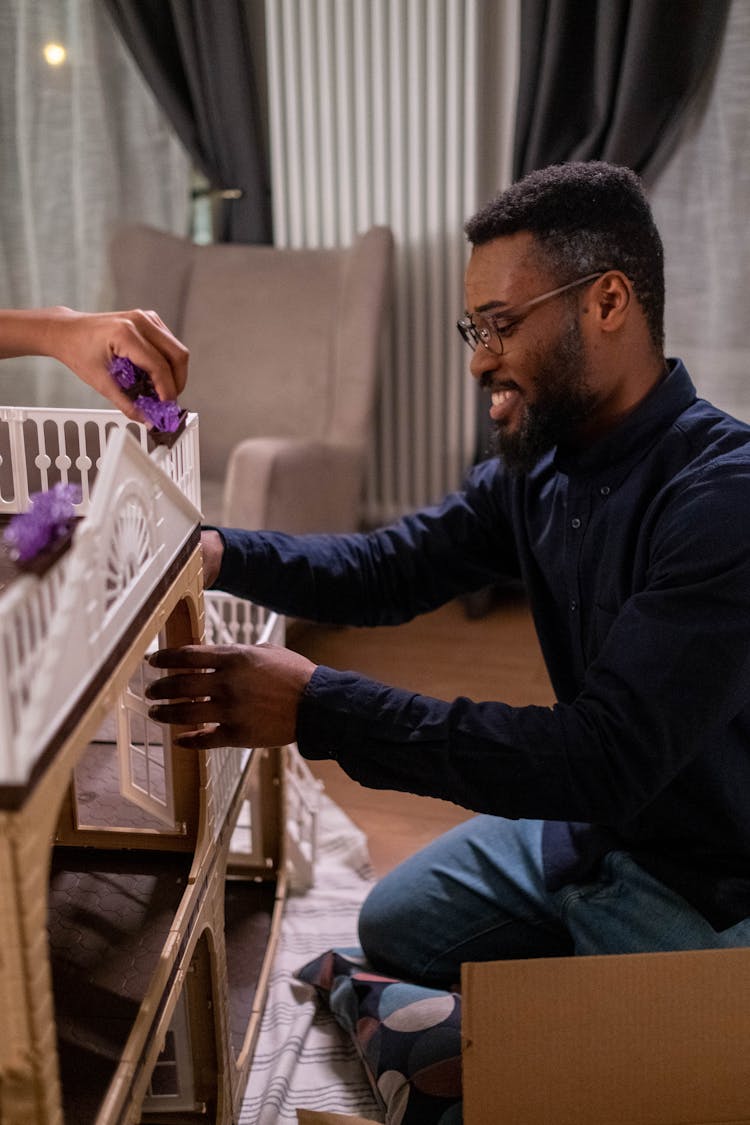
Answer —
612 295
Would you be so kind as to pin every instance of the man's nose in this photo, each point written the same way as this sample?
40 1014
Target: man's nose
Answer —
483 361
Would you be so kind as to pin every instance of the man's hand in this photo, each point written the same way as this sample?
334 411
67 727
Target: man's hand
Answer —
249 694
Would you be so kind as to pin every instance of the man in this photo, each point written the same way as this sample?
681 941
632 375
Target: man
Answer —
617 820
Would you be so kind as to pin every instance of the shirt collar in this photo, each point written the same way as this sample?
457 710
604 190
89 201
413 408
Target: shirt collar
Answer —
624 445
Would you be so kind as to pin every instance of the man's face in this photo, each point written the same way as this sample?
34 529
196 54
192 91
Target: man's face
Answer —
539 387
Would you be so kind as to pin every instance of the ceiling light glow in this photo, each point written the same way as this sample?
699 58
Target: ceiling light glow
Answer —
54 54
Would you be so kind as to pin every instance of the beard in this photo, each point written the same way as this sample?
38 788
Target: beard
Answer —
563 402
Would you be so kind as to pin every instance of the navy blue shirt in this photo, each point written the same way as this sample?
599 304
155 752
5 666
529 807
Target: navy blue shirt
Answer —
635 556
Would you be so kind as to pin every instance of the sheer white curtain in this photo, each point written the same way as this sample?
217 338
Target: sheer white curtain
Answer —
83 146
701 203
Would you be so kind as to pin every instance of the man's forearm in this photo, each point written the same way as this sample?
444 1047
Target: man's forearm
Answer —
384 577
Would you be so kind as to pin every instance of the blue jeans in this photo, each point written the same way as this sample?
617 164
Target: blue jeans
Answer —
477 894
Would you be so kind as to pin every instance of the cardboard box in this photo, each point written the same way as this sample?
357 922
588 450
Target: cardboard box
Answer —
639 1039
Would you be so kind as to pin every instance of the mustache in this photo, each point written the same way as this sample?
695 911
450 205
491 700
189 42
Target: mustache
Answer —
488 382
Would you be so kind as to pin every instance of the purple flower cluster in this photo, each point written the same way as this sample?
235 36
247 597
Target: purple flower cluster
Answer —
47 521
127 375
163 415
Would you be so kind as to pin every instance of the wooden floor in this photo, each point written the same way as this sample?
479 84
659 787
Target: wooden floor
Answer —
443 654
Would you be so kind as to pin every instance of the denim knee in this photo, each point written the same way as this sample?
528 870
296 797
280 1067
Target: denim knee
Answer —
385 921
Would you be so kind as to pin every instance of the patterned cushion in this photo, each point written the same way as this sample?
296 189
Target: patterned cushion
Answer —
409 1037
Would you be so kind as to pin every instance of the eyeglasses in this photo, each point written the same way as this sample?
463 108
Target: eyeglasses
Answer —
491 331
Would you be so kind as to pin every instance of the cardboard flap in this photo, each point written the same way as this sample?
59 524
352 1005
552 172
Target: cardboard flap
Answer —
640 1039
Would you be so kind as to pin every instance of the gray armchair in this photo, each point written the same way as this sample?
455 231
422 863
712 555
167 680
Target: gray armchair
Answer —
283 361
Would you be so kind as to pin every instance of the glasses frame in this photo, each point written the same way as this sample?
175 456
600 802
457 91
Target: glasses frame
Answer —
472 335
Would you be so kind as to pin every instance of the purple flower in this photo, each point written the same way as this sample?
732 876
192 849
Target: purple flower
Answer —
47 521
163 415
123 371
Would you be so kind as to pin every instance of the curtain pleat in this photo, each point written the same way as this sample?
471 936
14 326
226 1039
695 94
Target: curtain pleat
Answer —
701 202
195 56
610 79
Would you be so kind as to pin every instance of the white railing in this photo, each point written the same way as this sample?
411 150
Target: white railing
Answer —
58 630
41 447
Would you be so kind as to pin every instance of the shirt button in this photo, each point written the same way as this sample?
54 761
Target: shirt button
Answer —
575 522
573 606
604 490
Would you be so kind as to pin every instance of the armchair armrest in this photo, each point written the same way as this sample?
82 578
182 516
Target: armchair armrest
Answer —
288 484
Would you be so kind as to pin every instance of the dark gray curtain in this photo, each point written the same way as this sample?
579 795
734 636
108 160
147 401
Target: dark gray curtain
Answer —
605 80
195 56
610 79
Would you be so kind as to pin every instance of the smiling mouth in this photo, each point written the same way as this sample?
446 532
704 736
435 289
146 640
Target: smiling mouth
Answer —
494 387
499 398
502 402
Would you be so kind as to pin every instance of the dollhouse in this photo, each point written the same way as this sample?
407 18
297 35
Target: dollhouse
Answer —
141 886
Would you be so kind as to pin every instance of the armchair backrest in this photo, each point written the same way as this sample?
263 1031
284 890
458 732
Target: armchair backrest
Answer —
283 343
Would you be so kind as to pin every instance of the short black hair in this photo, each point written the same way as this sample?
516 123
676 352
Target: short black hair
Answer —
584 216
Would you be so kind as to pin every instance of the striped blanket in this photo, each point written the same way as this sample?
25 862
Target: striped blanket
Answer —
302 1058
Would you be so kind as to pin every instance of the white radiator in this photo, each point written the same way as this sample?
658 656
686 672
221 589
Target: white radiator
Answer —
375 119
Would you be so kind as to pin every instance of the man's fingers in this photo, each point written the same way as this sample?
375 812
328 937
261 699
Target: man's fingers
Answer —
252 691
217 737
186 714
185 685
192 656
